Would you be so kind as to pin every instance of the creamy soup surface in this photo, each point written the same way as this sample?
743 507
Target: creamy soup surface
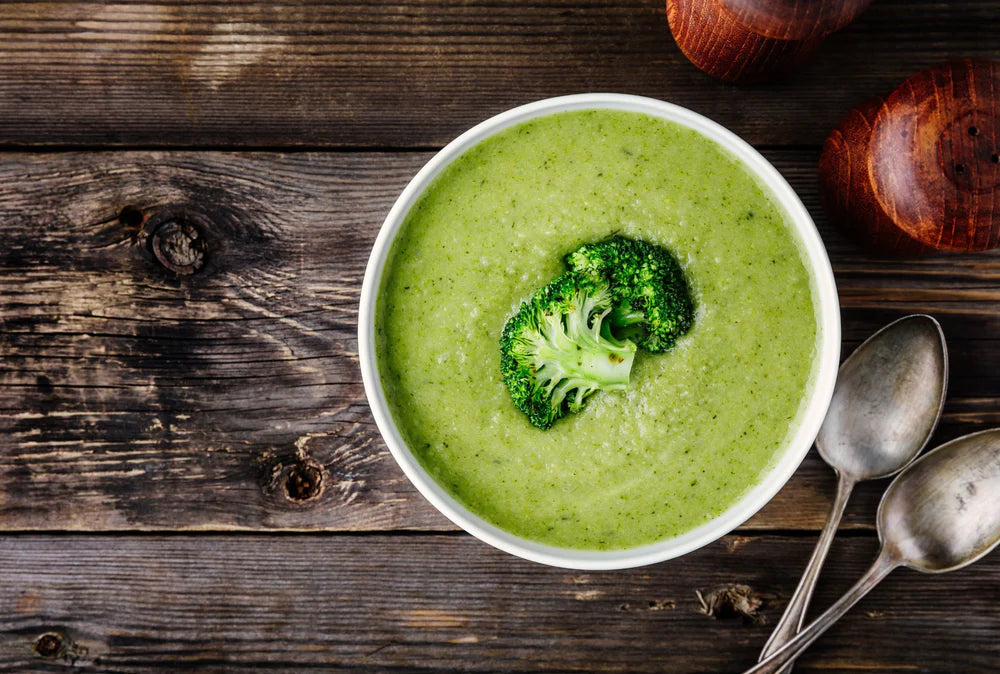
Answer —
698 424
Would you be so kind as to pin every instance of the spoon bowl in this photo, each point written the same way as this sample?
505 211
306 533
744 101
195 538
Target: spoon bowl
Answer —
887 401
945 514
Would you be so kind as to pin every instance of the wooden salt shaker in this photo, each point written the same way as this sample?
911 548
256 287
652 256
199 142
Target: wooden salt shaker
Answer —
919 170
752 40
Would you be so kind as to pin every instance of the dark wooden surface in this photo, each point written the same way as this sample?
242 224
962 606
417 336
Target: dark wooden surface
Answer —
448 603
158 434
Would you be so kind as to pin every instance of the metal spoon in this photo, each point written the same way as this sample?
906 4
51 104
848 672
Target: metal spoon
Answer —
885 407
938 515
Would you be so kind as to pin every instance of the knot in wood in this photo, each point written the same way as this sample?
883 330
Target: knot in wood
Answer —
131 217
179 246
49 645
303 481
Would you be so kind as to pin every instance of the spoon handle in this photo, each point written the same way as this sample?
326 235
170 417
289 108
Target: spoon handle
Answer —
795 613
879 569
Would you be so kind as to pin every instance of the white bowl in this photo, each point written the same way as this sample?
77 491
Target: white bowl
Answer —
828 319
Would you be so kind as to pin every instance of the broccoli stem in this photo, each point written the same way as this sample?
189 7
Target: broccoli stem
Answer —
623 316
588 367
578 355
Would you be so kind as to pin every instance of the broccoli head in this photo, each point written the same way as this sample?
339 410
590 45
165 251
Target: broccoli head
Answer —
558 349
652 303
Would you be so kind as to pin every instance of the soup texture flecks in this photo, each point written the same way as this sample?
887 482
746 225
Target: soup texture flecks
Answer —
698 424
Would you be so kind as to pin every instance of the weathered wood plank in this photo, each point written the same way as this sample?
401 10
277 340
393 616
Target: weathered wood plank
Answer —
131 398
450 603
340 73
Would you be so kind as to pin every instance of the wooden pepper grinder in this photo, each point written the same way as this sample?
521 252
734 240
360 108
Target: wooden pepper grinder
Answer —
919 170
752 40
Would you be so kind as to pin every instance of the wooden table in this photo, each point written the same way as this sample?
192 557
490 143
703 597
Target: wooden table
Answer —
189 473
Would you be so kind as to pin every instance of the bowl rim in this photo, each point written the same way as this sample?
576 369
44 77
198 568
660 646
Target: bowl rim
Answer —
811 417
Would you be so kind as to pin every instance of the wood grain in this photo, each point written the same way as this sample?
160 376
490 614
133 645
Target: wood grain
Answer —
135 399
450 603
794 19
846 187
122 377
747 41
413 73
132 398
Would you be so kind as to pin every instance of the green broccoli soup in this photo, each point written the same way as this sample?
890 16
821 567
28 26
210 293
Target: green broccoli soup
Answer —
696 426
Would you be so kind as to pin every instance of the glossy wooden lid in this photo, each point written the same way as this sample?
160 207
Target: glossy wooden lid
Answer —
795 19
753 40
920 169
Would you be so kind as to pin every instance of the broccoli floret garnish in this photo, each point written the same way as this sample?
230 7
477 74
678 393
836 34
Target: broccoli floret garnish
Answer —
652 302
579 334
558 349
